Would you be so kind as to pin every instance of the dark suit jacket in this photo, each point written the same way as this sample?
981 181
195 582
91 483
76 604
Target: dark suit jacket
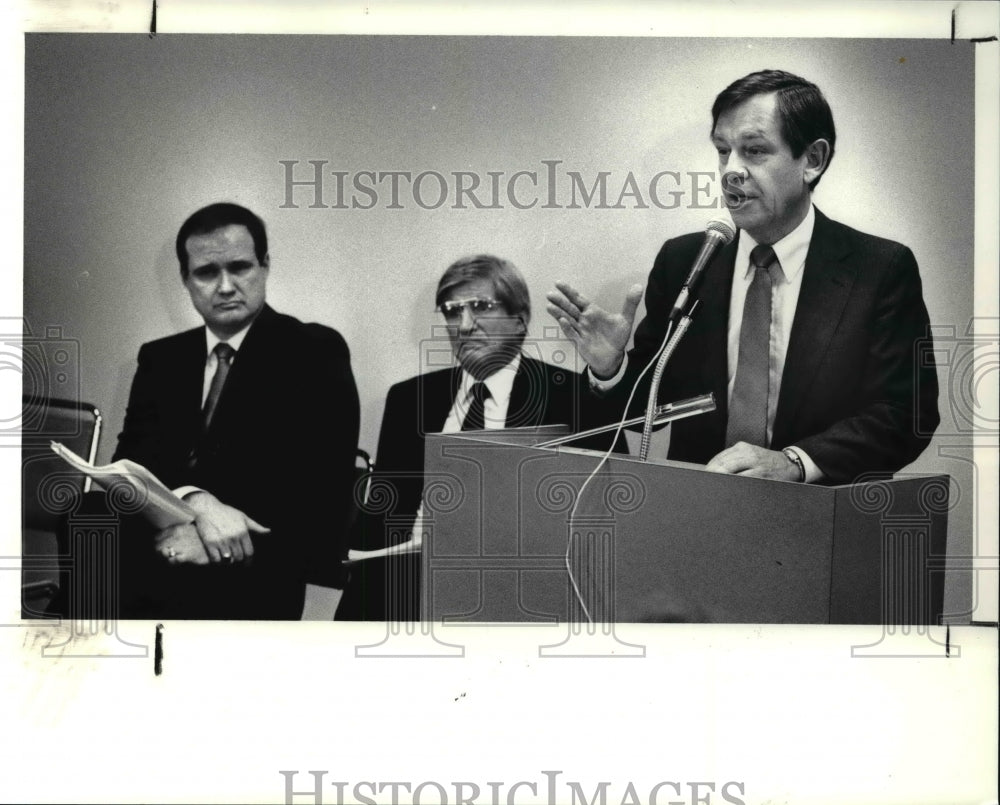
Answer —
541 395
859 389
281 449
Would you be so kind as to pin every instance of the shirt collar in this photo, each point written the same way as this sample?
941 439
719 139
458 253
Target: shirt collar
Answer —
791 250
499 383
211 339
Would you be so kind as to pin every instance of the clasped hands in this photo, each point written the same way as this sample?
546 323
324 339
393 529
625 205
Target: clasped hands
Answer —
601 337
219 534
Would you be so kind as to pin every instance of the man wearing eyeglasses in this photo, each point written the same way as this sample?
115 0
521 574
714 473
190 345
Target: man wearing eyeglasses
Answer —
485 304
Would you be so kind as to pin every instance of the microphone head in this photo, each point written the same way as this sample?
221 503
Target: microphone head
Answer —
722 227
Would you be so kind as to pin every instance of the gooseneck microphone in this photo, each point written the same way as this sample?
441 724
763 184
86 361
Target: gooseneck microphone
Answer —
718 232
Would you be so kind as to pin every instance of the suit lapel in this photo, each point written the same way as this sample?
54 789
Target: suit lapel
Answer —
436 392
190 384
179 402
826 287
712 317
525 408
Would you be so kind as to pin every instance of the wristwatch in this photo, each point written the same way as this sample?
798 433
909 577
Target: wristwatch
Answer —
792 456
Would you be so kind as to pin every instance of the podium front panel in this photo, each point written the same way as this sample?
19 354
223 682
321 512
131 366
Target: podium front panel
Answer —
647 542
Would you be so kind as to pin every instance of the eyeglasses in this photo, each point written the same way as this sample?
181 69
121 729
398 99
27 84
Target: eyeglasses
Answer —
452 310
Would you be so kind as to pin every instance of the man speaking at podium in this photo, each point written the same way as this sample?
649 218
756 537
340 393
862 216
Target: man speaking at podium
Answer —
807 330
253 419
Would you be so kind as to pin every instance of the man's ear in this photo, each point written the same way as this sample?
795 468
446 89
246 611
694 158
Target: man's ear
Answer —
817 156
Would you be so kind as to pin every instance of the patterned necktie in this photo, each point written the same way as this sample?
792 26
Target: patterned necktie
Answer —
475 419
748 407
224 356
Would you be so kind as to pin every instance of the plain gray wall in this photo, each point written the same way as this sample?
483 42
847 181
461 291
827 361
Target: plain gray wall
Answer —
126 135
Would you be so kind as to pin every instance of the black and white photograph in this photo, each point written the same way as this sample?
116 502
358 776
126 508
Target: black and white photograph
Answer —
420 405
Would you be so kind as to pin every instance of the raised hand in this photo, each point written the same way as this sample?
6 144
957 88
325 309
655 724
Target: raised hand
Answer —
600 336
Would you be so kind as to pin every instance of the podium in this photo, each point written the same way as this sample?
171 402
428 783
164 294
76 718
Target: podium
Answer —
668 541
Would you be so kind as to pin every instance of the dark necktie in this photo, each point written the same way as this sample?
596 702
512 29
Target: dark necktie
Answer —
748 407
224 358
475 419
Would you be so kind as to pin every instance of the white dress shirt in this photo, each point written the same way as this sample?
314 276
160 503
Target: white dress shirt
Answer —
495 406
791 252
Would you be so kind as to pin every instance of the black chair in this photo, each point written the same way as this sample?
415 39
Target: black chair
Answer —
378 589
364 468
326 568
50 489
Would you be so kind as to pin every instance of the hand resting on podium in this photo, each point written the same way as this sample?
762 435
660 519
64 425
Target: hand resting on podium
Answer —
755 462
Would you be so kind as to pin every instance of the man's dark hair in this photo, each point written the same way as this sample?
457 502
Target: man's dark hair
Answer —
805 114
216 216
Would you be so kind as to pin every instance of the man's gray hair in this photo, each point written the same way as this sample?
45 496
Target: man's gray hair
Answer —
508 283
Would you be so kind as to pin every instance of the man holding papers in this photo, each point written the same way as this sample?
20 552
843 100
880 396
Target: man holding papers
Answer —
813 336
253 420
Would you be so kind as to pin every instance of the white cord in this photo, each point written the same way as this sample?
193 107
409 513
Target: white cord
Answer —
601 463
